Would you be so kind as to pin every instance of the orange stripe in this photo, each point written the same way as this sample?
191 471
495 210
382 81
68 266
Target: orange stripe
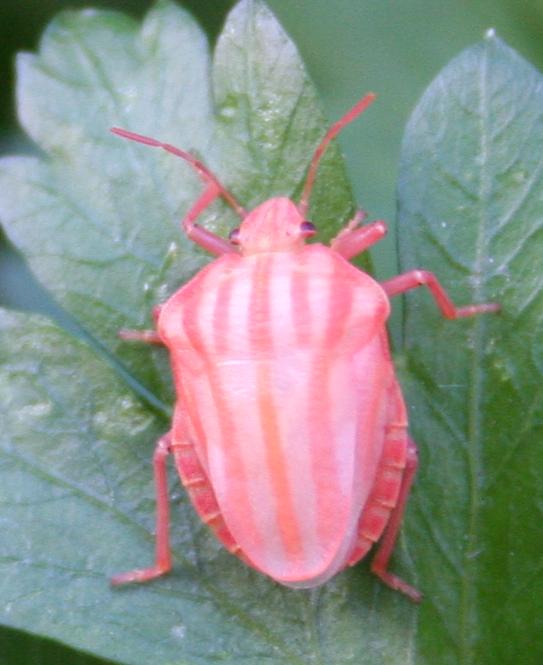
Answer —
262 341
221 315
299 298
340 303
189 404
186 404
226 422
288 524
320 402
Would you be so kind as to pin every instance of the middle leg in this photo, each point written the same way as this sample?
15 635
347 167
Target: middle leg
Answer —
147 336
416 278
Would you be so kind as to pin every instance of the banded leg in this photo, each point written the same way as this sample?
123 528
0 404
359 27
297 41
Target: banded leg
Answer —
415 278
355 239
163 557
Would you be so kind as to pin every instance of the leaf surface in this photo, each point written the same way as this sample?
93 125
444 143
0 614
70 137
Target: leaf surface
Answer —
470 196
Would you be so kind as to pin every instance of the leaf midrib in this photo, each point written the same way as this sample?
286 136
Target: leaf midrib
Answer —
468 605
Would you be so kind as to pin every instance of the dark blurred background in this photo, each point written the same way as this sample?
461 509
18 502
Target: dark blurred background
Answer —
392 47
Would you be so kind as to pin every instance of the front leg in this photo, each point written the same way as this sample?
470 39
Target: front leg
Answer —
209 241
202 237
355 239
415 278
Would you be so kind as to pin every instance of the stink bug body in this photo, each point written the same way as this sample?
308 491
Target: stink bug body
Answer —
290 430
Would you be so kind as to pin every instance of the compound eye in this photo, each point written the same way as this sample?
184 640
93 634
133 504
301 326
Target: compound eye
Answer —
233 236
308 229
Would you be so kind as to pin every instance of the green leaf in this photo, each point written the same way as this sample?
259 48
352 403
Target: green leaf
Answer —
97 219
77 503
269 118
470 196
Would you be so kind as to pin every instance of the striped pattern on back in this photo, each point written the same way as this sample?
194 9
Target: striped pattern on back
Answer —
278 363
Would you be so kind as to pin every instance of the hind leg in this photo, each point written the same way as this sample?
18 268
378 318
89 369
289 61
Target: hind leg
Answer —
163 556
195 481
380 562
382 515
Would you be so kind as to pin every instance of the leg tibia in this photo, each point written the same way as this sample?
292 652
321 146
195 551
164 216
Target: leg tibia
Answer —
147 336
163 559
415 278
209 241
379 565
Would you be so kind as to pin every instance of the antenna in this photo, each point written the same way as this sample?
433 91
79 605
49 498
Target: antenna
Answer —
202 170
334 130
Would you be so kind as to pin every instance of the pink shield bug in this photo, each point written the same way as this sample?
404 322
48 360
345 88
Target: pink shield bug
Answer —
290 429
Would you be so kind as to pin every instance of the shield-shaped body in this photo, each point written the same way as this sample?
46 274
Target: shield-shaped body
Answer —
290 430
283 382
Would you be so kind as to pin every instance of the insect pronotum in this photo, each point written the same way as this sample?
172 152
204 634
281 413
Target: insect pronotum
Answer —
290 429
